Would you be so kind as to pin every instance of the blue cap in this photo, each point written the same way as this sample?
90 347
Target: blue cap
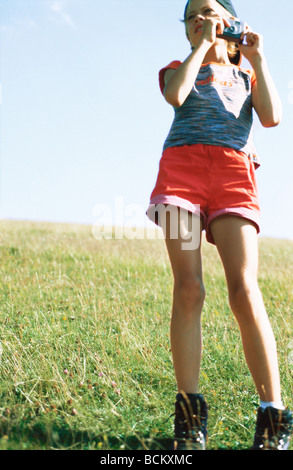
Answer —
227 4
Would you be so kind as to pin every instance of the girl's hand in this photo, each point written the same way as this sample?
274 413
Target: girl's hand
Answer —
213 26
265 97
254 45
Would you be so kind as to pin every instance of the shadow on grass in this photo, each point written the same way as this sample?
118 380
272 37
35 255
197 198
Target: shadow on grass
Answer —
31 434
60 436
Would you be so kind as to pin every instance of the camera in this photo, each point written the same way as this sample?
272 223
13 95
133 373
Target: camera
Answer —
233 33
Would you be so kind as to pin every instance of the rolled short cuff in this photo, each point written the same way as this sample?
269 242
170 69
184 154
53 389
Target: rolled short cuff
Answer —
249 214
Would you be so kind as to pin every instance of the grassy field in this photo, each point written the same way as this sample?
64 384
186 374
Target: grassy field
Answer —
85 357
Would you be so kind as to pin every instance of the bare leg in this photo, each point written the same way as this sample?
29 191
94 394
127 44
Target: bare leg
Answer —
236 241
188 299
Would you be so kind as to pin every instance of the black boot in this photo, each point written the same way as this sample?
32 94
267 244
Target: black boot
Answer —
190 422
273 429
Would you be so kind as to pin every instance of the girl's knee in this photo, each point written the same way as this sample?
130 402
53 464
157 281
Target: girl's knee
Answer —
243 297
189 293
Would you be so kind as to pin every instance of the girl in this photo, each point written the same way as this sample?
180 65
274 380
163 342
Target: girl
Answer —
207 170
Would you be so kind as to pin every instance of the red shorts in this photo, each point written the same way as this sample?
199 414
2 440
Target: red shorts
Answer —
219 180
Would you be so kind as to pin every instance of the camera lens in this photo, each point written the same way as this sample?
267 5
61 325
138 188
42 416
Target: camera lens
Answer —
232 29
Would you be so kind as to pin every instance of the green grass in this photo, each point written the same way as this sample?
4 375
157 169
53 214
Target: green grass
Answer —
85 353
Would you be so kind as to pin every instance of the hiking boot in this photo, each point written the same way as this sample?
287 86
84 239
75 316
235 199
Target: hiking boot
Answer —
190 422
273 429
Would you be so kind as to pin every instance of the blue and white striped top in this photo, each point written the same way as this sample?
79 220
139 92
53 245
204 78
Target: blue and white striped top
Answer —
218 111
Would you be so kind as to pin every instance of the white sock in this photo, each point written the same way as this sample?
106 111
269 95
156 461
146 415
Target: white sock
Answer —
275 404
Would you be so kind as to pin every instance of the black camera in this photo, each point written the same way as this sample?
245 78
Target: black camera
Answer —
234 32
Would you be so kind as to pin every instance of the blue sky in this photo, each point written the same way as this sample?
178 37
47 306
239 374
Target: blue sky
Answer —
82 118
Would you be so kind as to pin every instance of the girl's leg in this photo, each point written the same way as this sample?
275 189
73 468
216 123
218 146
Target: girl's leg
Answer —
236 241
188 299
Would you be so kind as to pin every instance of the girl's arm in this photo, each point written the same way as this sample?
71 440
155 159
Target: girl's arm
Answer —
179 83
265 98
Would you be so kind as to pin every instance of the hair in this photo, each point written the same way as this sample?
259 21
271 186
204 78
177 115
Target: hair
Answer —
232 47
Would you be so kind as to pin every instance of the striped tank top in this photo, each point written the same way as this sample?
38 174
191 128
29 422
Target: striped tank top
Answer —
218 111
